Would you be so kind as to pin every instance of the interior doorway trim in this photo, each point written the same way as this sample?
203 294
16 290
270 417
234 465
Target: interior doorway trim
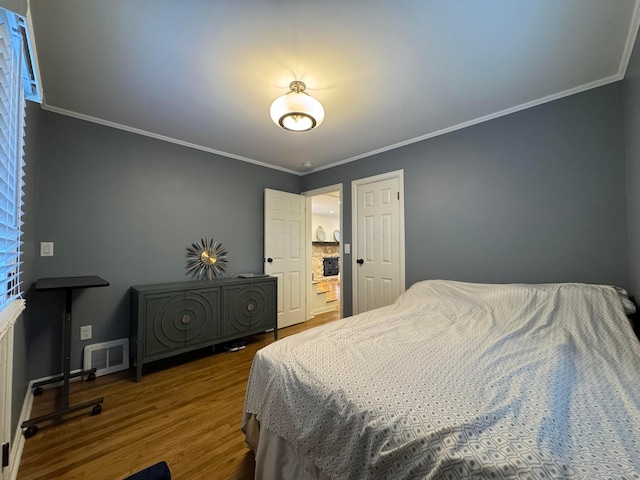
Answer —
309 194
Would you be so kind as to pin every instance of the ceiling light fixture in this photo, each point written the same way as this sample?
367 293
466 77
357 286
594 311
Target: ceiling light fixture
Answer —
296 110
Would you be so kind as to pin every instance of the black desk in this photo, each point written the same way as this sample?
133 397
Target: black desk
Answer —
68 284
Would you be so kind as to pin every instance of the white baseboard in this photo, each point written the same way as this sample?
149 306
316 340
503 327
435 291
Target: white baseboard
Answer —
25 414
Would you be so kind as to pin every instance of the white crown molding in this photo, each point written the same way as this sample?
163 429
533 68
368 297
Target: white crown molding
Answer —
138 131
453 128
631 40
485 118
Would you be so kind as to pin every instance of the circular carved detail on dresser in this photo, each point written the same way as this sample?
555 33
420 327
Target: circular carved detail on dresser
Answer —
181 319
247 306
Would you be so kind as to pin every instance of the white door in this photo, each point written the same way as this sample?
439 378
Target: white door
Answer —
284 252
379 241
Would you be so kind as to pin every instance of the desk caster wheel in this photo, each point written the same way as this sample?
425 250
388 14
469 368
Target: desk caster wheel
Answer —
96 410
30 431
37 391
91 377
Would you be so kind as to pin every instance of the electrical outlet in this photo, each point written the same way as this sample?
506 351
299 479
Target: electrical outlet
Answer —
85 332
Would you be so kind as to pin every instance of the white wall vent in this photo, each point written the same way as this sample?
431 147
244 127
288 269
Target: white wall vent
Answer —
107 357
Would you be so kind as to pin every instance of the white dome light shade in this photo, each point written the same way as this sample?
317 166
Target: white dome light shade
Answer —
297 111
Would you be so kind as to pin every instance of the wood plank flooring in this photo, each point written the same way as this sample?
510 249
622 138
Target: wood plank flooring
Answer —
186 411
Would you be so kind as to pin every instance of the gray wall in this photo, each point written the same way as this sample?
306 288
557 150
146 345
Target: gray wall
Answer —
536 196
631 84
125 207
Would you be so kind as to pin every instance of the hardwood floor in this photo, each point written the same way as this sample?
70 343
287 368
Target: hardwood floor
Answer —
186 411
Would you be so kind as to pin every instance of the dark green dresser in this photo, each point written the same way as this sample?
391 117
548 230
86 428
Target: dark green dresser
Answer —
172 318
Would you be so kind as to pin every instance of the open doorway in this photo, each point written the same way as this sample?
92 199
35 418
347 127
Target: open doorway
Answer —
324 251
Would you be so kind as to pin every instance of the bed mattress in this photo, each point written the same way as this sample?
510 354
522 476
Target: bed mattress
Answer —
459 380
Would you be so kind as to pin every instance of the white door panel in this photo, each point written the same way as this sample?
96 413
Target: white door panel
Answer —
284 246
379 240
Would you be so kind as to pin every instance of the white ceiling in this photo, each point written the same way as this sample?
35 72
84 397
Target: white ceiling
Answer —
327 204
203 73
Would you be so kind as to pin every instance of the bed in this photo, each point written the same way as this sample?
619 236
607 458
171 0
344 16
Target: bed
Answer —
455 380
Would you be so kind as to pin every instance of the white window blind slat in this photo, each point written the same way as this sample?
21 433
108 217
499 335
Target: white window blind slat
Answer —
12 120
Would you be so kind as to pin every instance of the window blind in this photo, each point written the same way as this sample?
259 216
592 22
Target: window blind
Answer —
12 123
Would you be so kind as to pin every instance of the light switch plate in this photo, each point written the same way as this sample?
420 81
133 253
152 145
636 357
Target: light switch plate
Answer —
46 249
347 248
85 332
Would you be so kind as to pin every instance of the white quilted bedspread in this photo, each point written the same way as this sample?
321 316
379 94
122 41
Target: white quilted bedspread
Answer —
459 380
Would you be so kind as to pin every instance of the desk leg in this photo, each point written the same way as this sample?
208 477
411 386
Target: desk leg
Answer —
66 364
31 425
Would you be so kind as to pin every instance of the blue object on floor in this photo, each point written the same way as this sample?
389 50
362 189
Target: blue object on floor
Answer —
159 471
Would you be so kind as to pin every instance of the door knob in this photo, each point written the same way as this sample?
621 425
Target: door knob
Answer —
360 261
270 260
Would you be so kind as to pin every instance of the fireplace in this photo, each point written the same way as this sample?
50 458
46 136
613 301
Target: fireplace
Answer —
330 266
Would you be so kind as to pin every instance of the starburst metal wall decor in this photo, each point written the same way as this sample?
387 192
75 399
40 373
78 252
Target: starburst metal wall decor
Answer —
206 260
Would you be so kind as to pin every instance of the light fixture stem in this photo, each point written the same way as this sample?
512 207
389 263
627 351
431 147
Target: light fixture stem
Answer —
297 86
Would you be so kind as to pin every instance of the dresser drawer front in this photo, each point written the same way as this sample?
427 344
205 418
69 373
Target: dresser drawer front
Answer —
248 307
202 323
175 320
